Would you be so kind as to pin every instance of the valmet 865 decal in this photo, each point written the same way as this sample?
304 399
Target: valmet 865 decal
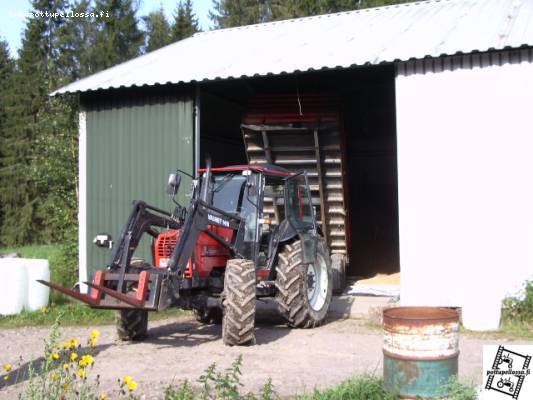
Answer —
218 220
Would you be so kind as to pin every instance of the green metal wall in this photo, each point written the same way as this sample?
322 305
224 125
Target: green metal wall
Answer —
134 140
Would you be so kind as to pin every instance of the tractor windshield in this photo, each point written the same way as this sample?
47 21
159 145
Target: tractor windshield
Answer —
231 194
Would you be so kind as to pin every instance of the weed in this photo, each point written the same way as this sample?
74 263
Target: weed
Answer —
63 372
454 390
183 392
358 388
220 386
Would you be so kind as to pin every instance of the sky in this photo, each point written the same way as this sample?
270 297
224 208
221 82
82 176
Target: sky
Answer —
12 16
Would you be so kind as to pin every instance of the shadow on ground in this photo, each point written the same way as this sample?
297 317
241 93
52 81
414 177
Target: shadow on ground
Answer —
270 327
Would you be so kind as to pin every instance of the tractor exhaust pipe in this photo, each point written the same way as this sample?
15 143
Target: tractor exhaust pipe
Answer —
207 181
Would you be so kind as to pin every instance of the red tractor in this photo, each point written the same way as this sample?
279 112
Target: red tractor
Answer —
249 232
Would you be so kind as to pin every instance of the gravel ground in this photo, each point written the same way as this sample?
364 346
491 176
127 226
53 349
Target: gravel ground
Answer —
297 360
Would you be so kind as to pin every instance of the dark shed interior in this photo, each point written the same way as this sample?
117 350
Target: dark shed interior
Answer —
368 138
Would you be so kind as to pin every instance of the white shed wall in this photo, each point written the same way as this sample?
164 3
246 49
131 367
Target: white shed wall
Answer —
465 177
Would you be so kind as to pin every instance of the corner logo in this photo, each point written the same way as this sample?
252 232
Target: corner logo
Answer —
507 372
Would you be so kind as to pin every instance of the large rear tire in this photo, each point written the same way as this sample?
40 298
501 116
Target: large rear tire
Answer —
303 291
132 324
238 321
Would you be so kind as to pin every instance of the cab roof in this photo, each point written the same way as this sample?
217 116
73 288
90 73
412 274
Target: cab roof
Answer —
267 169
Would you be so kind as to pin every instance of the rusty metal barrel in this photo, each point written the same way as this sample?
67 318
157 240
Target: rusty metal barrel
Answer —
420 351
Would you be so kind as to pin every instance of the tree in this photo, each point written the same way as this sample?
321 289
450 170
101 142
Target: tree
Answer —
117 37
230 13
26 94
185 21
7 66
75 45
158 32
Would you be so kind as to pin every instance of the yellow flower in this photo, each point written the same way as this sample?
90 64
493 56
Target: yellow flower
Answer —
73 343
81 373
127 379
104 396
7 367
66 366
73 356
132 385
95 334
65 386
44 309
6 378
54 356
86 360
92 342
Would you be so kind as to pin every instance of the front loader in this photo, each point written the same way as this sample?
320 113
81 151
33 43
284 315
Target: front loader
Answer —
248 232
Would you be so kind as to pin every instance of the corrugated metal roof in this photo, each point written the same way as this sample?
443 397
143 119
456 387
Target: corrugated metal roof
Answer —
363 37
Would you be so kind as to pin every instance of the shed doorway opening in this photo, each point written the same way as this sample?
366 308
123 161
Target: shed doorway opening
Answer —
338 125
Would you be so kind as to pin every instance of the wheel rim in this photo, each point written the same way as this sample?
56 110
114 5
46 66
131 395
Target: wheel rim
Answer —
317 283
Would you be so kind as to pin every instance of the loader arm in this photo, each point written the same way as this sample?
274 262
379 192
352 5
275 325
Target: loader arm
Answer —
142 219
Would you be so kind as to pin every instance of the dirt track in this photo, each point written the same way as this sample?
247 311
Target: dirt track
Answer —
296 360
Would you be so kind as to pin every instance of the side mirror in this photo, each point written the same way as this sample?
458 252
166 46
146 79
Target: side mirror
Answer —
173 185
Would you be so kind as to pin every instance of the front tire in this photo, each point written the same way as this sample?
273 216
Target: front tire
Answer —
132 324
304 291
238 321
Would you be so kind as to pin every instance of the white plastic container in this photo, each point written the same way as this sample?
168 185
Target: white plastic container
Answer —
13 285
38 294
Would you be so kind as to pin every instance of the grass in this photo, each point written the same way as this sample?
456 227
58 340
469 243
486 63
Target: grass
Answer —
75 314
47 251
508 330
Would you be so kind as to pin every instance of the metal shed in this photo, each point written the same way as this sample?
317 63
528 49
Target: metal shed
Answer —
206 93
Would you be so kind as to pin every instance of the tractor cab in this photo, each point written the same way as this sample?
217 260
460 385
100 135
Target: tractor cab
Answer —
261 197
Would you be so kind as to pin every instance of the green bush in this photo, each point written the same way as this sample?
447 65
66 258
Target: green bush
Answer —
64 264
519 309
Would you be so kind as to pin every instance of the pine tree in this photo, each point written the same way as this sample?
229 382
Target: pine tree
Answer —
7 66
185 21
285 9
158 33
26 95
230 13
75 45
117 37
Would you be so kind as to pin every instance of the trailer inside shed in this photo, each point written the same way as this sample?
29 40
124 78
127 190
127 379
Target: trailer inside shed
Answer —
338 125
